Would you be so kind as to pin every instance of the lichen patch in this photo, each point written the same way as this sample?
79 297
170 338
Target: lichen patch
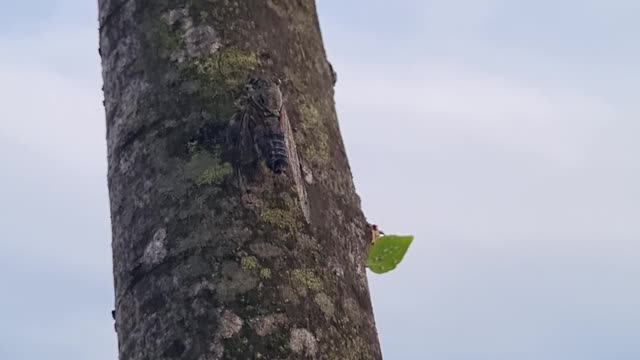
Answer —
305 279
230 324
265 250
156 249
353 311
175 15
193 41
265 273
201 41
326 305
201 286
316 139
302 341
307 174
266 325
205 169
249 263
127 159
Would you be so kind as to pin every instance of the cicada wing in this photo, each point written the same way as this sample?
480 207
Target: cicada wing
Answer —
246 140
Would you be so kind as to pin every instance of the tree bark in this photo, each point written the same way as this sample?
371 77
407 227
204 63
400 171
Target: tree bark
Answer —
215 254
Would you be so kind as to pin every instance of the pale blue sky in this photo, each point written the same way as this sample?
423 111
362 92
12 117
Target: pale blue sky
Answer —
503 134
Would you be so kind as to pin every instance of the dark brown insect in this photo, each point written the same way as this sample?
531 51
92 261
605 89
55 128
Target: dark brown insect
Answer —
264 121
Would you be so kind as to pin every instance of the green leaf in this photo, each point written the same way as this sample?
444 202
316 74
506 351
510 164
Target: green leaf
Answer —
387 252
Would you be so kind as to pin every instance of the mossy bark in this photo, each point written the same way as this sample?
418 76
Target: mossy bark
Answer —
215 258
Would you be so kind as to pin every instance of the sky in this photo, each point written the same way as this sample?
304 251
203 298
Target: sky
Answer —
502 134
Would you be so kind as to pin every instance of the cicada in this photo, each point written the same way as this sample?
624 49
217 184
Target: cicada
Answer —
261 125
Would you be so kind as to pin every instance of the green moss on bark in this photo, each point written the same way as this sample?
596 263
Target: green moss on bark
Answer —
305 279
249 263
169 40
205 169
316 143
281 213
265 273
326 305
280 218
218 80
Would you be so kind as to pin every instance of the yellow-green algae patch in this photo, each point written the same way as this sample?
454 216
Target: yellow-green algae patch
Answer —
220 78
282 218
229 66
168 39
325 304
316 147
249 263
265 273
305 279
206 169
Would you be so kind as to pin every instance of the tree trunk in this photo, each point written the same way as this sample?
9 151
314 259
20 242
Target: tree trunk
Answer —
237 232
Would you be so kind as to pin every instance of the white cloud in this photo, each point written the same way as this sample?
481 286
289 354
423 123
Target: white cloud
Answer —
446 102
52 129
457 16
53 114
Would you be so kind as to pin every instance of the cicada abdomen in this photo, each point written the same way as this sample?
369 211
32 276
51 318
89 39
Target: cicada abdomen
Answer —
278 156
266 101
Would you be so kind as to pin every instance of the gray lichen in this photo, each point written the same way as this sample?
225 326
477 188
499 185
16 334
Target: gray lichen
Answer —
326 304
190 41
266 250
267 324
303 342
156 249
230 324
316 144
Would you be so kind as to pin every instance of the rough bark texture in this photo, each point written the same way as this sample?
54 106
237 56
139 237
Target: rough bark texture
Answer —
217 257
